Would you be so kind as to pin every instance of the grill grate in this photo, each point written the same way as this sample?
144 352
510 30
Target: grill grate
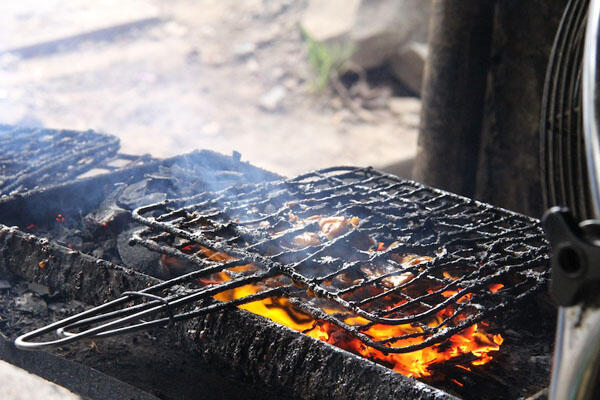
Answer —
399 253
468 248
32 157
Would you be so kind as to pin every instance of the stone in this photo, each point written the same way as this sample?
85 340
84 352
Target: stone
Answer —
252 65
373 29
329 20
5 284
272 100
408 65
244 50
403 105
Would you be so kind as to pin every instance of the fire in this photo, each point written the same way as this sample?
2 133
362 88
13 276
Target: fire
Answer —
474 341
494 287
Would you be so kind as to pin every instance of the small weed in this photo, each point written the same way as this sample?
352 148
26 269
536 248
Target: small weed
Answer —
328 61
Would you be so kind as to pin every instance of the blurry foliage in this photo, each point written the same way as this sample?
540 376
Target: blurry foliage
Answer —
328 61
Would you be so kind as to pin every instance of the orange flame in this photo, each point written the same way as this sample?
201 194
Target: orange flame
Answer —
494 287
473 340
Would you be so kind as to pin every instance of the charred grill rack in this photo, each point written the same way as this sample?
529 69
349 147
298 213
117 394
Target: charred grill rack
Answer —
471 247
31 157
232 354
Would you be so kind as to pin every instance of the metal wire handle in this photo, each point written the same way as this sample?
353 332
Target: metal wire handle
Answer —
130 319
337 189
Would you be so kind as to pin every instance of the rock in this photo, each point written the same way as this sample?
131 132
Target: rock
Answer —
175 29
330 20
383 26
290 83
272 100
373 29
212 57
244 50
403 105
365 116
5 284
252 65
336 103
408 65
28 302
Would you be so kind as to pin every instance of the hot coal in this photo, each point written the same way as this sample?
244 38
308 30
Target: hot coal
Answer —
139 257
100 228
31 303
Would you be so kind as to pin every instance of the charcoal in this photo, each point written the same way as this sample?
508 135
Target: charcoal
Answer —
70 307
108 212
38 289
98 253
57 307
138 257
29 302
109 215
139 194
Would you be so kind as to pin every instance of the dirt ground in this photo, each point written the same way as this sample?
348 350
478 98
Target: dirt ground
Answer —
171 76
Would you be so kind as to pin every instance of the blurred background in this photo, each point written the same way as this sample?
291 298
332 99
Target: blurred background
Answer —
291 85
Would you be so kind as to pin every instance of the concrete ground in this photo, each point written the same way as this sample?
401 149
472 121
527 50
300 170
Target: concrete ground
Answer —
169 76
18 384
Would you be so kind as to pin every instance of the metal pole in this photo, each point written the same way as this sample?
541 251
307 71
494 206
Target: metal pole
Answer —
453 94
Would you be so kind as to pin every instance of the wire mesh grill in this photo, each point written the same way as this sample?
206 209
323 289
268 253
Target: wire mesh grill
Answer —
354 247
40 157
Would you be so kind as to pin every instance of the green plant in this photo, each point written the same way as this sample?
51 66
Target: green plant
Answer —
328 61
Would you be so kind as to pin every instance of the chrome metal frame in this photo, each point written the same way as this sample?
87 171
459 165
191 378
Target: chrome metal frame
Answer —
577 349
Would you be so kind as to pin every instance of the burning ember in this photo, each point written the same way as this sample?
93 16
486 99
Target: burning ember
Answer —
473 341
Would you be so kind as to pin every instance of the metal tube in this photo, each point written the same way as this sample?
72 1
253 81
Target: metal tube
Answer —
590 112
453 94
